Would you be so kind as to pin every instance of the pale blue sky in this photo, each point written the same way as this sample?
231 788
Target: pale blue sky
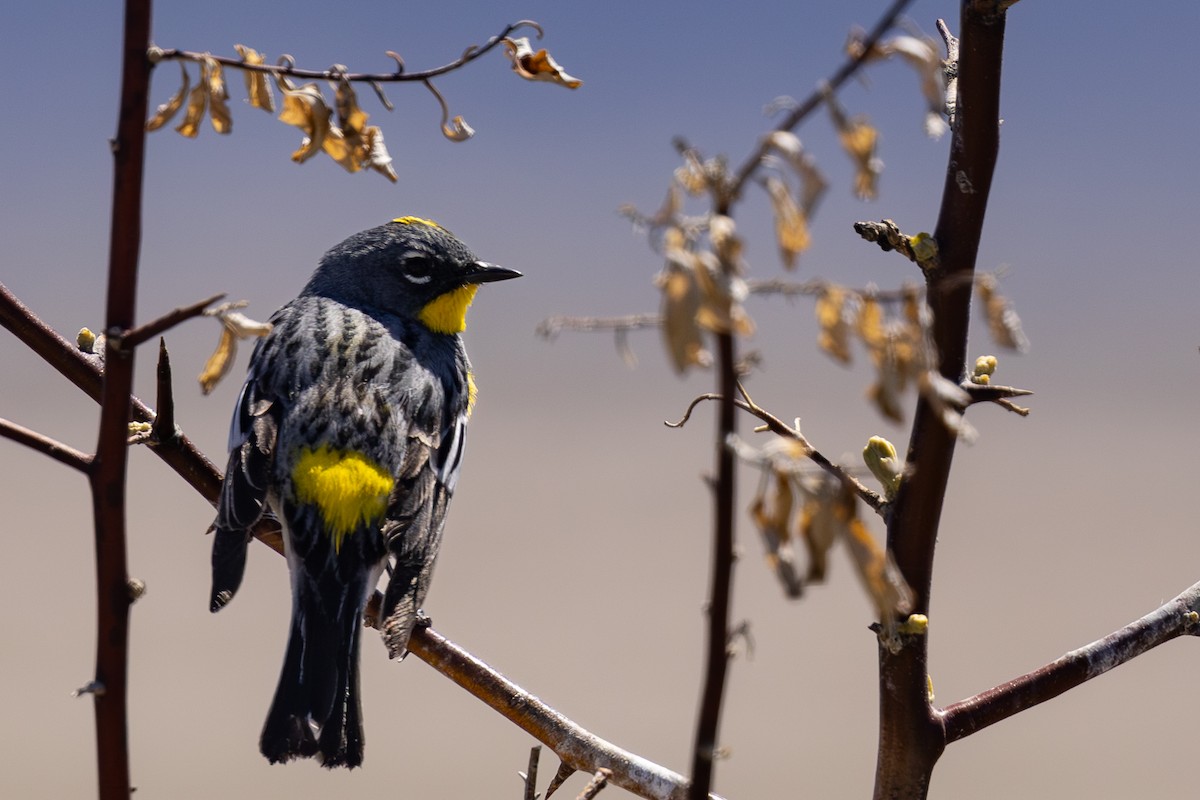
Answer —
576 554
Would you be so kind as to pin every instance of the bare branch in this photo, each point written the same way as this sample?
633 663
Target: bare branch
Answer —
530 775
399 76
108 475
579 749
814 101
144 333
64 454
911 736
778 426
551 327
1178 617
595 785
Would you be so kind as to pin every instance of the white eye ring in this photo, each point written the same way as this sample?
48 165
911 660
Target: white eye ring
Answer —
422 264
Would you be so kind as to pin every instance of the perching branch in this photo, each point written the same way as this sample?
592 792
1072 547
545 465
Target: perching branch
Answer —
1178 617
576 746
529 777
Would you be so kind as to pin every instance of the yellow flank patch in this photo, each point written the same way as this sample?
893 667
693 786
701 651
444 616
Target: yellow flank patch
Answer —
417 221
348 488
447 313
472 392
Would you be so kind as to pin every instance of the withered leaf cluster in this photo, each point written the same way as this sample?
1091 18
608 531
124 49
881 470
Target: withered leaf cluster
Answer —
922 54
1003 322
858 138
803 507
346 138
235 326
895 343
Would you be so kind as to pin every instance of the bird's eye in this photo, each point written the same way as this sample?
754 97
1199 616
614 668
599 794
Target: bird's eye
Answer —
417 268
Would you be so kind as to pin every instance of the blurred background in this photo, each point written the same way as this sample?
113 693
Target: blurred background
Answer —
577 550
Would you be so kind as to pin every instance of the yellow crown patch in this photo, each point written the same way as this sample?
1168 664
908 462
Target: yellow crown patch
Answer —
348 488
418 221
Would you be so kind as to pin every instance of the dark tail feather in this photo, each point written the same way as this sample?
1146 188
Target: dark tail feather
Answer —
228 565
318 687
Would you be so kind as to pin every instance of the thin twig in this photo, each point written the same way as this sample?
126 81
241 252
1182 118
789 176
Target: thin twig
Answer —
552 326
1178 617
778 426
595 785
400 75
990 393
817 98
43 444
144 333
530 775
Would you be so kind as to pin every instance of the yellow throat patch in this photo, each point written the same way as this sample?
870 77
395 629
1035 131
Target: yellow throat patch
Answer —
447 313
348 489
418 221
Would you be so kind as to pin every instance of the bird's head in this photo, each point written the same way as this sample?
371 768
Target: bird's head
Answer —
411 267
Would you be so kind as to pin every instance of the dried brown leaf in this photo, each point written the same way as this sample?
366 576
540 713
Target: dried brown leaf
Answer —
834 337
791 225
772 513
218 108
219 363
820 525
234 326
1003 322
537 66
885 585
681 301
164 113
813 183
197 101
375 154
258 87
351 118
869 324
305 107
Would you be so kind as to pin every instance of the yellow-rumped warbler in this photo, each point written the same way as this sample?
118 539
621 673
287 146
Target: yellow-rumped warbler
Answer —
350 428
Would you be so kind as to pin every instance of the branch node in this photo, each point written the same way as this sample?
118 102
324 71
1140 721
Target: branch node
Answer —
91 687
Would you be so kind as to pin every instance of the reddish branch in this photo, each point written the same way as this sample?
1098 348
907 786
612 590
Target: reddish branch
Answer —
62 453
1179 617
911 734
107 475
716 663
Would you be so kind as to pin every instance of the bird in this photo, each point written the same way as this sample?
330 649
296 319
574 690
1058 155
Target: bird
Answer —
349 429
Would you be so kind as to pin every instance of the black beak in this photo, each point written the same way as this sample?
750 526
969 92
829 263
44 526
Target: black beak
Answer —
483 272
